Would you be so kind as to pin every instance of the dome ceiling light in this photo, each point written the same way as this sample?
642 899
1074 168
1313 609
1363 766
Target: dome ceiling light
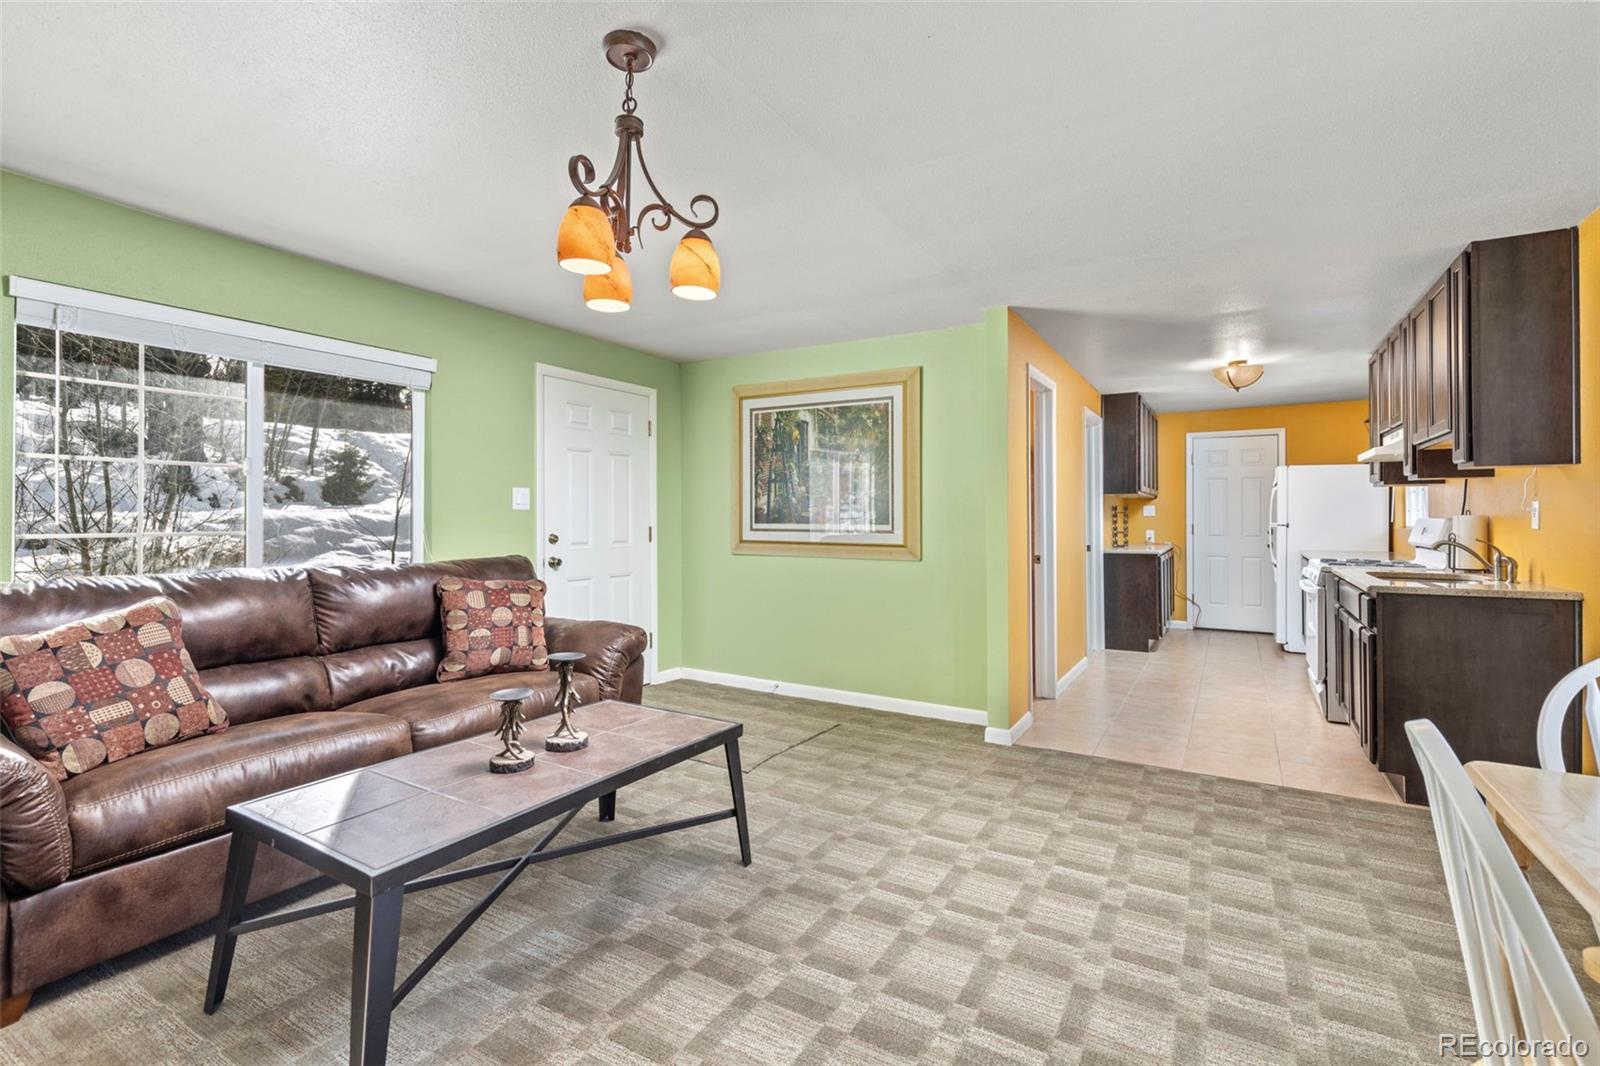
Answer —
1239 374
600 227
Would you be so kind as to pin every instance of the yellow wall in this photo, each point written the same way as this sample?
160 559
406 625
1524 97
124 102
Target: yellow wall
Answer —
1313 433
1565 549
1024 347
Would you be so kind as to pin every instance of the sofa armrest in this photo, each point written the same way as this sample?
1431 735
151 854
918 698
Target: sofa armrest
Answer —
35 844
615 653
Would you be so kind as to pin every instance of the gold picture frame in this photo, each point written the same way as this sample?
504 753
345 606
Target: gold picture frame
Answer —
861 498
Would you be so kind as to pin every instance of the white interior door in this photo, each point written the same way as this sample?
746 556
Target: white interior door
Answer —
597 502
1230 484
1042 532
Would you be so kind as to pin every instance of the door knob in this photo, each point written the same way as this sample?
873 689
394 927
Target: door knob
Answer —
554 539
553 563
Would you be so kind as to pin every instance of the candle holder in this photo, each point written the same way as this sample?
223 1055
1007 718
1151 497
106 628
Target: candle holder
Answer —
566 737
513 757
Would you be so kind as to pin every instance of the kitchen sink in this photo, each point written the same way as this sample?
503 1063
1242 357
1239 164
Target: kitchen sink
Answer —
1426 577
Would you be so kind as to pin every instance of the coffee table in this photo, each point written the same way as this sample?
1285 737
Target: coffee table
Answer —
385 829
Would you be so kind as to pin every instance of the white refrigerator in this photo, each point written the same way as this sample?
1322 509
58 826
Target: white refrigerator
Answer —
1334 510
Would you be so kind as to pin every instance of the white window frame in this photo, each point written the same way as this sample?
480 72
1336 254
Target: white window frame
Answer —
45 304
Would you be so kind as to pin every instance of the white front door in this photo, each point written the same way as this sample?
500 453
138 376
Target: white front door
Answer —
596 501
1230 479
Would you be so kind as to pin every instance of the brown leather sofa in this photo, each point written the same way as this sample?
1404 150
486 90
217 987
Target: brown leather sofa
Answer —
320 671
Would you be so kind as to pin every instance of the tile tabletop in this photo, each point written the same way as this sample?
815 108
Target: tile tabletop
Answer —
383 815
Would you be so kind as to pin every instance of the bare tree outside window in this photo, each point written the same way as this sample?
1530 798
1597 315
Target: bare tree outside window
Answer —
337 482
132 459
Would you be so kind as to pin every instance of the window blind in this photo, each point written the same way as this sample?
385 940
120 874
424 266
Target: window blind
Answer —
46 304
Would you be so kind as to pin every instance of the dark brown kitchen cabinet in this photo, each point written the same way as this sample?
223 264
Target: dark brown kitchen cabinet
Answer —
1519 351
1483 370
1478 667
1130 463
1428 362
1139 597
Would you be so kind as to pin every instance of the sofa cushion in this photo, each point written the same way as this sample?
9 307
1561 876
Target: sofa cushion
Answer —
358 606
180 793
491 627
439 714
361 673
252 691
231 616
103 688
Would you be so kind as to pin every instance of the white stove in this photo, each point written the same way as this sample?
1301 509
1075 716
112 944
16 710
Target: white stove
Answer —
1311 607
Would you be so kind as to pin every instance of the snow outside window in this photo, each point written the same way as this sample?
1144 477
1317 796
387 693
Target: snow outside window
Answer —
134 458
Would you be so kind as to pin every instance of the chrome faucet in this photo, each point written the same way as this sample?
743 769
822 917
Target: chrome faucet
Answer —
1503 566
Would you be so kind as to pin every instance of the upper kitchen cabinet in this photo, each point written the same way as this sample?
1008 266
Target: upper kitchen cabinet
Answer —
1130 445
1515 369
1483 370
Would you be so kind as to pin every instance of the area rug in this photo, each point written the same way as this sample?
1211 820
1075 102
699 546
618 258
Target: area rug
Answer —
917 896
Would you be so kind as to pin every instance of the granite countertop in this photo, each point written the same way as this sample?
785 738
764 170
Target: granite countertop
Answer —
1142 549
1416 583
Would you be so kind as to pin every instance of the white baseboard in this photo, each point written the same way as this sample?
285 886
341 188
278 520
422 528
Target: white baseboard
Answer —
673 673
1065 680
1008 737
1179 623
869 700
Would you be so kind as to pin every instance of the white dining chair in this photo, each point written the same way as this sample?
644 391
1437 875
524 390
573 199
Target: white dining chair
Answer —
1524 992
1553 715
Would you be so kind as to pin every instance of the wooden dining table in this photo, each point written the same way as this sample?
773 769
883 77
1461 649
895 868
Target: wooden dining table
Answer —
1552 817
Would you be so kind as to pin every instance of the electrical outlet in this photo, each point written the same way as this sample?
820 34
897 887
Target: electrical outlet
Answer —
1535 514
520 498
1149 536
1149 510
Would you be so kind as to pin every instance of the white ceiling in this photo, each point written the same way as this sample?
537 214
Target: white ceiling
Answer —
1152 184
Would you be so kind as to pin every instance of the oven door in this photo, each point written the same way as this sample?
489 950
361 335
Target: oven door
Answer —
1311 609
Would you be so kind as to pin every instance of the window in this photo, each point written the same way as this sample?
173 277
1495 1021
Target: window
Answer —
135 457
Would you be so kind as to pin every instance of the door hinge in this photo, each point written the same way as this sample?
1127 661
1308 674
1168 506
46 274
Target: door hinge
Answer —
652 637
649 427
650 534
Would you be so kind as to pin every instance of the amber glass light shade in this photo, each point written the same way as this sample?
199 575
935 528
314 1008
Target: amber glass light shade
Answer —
696 272
1238 374
611 292
583 243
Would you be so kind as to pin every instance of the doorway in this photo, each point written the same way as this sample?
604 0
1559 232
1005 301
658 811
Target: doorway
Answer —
1229 504
1042 532
596 492
1094 568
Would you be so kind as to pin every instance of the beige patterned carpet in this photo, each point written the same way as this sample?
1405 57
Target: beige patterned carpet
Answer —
917 896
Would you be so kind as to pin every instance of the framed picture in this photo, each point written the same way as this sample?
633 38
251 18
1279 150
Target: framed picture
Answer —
830 466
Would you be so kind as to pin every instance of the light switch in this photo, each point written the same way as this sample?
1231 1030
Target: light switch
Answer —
520 497
1149 510
1535 514
1149 536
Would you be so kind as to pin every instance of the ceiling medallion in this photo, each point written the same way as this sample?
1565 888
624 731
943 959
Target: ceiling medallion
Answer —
1239 374
600 227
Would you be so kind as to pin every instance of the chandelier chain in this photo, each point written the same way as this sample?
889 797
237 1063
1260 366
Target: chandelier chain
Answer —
629 104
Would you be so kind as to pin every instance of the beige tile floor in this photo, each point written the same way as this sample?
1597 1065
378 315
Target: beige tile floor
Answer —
1215 702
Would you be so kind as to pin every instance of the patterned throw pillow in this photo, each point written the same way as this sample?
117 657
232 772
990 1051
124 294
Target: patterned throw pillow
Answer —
491 627
103 689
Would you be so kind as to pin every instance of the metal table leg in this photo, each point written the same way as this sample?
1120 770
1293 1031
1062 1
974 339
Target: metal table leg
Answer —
235 887
736 780
372 964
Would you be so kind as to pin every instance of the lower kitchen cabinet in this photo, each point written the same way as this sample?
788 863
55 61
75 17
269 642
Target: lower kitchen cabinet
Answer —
1139 595
1478 667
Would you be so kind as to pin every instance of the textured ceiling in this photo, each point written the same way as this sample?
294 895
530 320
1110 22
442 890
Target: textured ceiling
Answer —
1151 184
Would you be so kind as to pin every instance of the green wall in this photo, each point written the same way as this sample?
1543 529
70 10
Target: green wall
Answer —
913 630
481 409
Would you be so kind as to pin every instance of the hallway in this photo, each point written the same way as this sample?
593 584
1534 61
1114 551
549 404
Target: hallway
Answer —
1213 702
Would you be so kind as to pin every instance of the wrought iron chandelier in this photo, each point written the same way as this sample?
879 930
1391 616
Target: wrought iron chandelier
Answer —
600 227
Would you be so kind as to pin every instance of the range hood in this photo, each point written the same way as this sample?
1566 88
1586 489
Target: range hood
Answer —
1391 449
